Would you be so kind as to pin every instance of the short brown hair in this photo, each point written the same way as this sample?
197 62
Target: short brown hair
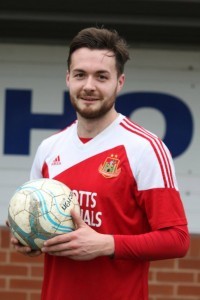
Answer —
101 38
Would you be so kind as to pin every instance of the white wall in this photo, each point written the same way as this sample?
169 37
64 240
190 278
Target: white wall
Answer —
42 69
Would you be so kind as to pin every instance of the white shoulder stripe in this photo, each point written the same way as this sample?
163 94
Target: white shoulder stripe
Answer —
158 147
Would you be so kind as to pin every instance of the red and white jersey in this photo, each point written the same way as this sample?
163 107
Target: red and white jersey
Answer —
125 182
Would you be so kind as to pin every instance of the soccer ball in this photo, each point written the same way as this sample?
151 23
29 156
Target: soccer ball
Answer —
39 210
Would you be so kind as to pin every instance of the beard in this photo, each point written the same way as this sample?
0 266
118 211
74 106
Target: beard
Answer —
89 112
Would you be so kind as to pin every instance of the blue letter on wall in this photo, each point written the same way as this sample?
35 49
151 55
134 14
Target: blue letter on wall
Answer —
179 122
19 120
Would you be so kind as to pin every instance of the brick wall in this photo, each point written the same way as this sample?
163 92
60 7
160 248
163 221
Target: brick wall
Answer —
177 279
21 276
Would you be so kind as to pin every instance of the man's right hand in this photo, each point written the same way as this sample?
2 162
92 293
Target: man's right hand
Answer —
24 249
21 248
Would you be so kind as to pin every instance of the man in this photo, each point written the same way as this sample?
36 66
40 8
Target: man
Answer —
123 176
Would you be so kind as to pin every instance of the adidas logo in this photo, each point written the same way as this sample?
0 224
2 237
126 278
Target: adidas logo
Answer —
56 161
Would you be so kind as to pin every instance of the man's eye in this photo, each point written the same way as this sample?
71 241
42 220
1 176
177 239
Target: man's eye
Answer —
79 75
102 77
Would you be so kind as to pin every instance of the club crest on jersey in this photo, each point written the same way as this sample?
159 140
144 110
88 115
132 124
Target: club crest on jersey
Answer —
109 168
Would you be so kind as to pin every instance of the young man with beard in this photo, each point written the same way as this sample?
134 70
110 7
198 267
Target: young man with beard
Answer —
123 175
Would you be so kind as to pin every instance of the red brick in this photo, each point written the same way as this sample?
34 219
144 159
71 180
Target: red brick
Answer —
157 289
13 270
151 275
189 290
2 283
18 257
37 271
3 256
35 296
25 284
8 295
168 263
175 298
175 276
192 264
194 250
5 238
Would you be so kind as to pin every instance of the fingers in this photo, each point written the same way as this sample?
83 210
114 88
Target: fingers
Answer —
58 249
65 238
17 245
25 250
7 224
71 245
67 248
34 253
20 248
77 219
59 239
60 243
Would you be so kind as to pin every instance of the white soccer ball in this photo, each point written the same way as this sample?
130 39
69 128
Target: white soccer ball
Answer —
39 210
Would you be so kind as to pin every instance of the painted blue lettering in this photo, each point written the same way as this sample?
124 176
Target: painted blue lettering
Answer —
179 121
19 120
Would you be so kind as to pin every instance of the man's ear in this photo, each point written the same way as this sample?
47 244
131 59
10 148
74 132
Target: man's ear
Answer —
121 81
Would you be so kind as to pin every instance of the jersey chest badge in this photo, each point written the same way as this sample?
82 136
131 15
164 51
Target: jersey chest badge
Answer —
109 168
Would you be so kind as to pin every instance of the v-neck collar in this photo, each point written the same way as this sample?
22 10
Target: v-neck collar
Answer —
98 137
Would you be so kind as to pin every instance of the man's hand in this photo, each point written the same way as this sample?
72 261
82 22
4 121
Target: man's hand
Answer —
82 244
21 248
24 249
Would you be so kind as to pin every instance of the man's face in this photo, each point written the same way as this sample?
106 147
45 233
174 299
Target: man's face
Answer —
93 82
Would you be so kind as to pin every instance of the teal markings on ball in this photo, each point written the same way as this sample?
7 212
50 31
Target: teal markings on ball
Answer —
39 210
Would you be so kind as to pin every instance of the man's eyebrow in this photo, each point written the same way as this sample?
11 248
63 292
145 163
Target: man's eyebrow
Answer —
97 72
78 70
102 71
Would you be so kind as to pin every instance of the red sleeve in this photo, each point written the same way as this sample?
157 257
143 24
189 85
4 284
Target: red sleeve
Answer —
165 243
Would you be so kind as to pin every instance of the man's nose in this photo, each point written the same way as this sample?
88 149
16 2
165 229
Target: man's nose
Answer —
89 84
